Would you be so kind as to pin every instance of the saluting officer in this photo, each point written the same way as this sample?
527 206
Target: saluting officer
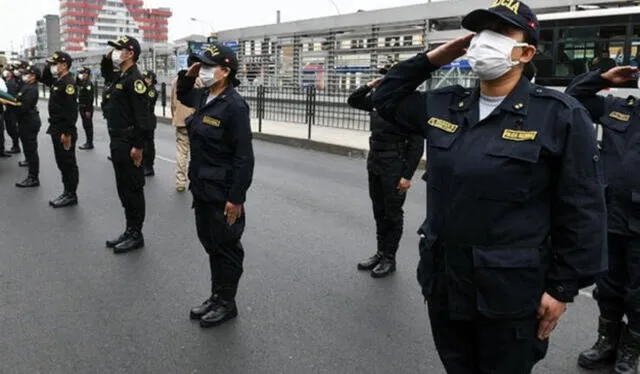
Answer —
86 94
617 293
150 146
63 115
220 171
515 201
29 124
11 123
393 158
127 113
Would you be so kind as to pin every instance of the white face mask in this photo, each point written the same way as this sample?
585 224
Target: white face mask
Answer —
25 78
17 73
5 74
54 70
208 75
116 57
489 54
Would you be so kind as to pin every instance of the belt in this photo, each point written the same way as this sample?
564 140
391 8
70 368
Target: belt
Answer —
120 132
398 146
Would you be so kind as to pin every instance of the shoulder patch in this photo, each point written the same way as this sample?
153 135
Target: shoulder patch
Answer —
152 93
139 86
560 96
70 89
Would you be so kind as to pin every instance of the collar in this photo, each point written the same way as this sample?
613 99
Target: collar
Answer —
222 96
516 102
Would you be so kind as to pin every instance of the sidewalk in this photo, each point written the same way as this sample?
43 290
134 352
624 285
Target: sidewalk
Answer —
350 143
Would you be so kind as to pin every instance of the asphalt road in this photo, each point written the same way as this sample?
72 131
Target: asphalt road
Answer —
69 305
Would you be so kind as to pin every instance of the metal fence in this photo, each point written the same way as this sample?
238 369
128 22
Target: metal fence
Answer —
305 105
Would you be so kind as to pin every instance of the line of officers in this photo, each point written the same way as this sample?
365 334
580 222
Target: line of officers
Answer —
69 99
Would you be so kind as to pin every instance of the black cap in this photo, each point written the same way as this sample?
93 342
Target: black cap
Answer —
128 43
30 69
84 70
512 12
58 57
217 54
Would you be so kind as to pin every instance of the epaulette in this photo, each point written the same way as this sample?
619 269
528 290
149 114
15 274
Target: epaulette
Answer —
556 95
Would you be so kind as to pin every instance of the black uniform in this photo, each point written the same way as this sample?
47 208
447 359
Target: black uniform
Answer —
63 115
10 120
29 124
2 149
618 293
515 208
127 111
85 108
220 171
149 154
394 154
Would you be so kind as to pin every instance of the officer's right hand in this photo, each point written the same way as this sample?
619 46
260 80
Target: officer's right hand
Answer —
620 74
375 83
451 50
194 70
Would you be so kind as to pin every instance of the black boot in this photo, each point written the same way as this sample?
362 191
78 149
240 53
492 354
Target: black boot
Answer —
386 266
4 154
149 172
64 200
221 312
113 242
14 149
133 241
23 164
28 182
371 262
86 146
603 352
199 311
628 353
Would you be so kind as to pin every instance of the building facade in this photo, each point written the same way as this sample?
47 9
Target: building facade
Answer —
47 36
89 24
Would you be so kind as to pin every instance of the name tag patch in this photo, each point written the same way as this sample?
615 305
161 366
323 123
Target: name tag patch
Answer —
211 121
620 116
442 125
518 135
119 86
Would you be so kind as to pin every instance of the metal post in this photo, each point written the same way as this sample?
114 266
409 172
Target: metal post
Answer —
163 97
260 108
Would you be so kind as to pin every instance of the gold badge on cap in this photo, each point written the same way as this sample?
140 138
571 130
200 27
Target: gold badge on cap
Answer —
512 5
139 86
213 50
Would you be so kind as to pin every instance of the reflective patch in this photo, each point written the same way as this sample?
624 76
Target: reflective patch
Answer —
442 124
152 94
518 135
119 86
211 121
70 89
620 116
139 86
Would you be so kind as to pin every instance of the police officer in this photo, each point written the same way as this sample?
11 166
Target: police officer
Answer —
3 87
617 293
220 171
393 158
63 115
127 113
10 121
29 124
515 195
150 146
86 94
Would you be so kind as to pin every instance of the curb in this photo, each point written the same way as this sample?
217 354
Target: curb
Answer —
313 145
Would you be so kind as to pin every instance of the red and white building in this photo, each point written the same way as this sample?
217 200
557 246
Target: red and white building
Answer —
87 25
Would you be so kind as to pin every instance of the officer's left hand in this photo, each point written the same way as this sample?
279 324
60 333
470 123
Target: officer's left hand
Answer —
404 185
232 212
66 141
549 313
136 156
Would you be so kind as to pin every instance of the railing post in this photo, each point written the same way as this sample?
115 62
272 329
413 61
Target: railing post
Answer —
163 98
